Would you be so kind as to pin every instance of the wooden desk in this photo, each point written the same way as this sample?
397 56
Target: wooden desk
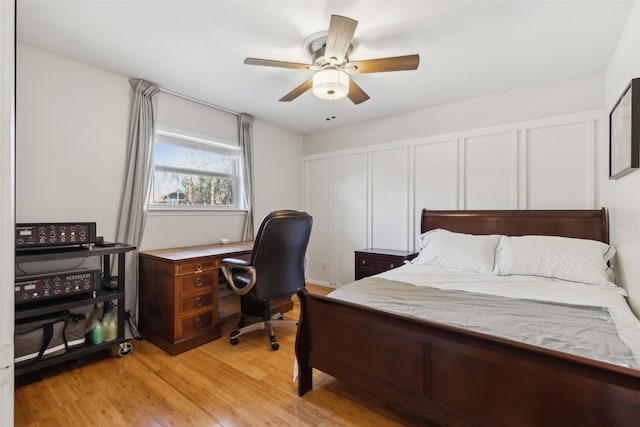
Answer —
179 294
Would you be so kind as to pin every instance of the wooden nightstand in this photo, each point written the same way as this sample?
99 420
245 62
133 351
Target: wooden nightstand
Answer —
374 260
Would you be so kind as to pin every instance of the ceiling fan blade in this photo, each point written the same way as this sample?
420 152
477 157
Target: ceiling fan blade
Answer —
280 64
341 30
356 94
297 91
396 63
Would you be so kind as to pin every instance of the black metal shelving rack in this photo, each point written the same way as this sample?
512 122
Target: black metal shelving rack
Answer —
24 311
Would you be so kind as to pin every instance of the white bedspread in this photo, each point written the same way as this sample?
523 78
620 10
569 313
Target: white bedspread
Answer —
529 287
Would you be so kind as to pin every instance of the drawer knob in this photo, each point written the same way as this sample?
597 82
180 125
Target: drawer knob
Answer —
198 268
391 265
198 281
363 262
198 323
198 302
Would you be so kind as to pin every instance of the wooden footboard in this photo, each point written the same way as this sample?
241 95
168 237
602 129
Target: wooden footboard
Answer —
452 376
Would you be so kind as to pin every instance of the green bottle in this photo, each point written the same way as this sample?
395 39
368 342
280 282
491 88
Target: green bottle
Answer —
97 334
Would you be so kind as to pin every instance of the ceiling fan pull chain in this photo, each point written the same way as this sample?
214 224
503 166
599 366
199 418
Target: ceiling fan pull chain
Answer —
333 108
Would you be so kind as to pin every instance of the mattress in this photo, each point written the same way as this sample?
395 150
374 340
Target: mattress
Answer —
603 327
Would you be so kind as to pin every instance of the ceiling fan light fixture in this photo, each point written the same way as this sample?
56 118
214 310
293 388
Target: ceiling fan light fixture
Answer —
331 84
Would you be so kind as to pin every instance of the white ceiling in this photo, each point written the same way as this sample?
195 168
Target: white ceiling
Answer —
197 47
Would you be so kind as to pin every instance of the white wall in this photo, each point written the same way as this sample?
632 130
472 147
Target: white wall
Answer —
548 100
71 133
7 209
372 196
277 170
622 196
72 126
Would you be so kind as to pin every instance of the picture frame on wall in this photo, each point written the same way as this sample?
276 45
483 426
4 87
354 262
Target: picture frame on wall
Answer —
624 132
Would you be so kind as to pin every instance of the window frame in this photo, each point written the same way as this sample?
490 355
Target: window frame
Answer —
217 147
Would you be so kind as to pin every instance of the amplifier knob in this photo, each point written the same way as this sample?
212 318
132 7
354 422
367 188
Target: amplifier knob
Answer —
24 296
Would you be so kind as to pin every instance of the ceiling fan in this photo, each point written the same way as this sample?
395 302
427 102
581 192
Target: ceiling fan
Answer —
330 55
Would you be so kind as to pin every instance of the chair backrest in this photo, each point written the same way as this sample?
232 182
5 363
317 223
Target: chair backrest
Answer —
279 252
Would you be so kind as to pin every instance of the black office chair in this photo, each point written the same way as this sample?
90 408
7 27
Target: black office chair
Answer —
276 270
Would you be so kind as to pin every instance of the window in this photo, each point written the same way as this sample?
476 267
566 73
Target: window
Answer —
194 173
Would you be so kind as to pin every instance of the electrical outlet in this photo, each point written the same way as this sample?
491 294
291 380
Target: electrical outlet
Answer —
324 264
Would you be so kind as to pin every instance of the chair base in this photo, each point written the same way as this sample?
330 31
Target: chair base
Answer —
268 325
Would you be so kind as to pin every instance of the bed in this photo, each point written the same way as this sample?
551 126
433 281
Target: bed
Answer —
455 376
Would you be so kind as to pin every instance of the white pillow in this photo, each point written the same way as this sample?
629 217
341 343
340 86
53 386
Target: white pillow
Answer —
575 260
460 251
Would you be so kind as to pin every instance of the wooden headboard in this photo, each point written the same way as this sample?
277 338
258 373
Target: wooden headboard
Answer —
584 224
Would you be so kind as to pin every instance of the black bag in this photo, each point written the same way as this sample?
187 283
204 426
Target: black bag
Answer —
44 337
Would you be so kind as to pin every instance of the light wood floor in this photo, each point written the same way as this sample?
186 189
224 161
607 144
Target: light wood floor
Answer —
216 384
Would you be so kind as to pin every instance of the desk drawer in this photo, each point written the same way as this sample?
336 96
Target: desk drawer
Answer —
196 323
197 302
206 280
198 266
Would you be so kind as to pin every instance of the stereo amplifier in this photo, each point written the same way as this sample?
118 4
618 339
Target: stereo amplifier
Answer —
44 286
53 234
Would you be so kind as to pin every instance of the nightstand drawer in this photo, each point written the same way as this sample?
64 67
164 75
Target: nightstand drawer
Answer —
369 262
379 263
366 272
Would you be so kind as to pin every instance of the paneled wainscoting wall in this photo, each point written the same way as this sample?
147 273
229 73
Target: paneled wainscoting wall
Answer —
373 196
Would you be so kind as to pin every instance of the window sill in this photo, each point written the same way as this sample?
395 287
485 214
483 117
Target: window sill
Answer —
152 212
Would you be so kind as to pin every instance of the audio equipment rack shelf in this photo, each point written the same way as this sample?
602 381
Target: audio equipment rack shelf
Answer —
46 306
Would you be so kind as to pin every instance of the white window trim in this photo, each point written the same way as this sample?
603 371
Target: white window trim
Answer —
198 143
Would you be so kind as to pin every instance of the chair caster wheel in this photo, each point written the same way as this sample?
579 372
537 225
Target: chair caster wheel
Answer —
233 341
125 349
275 346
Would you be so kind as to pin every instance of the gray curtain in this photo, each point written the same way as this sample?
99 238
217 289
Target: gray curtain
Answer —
137 184
245 137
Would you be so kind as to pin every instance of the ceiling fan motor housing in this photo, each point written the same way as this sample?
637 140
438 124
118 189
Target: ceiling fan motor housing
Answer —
316 46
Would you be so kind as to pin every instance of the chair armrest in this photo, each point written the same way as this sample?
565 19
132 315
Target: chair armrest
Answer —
232 269
234 261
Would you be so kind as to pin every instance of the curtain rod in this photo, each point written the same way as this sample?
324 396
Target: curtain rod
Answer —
226 110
